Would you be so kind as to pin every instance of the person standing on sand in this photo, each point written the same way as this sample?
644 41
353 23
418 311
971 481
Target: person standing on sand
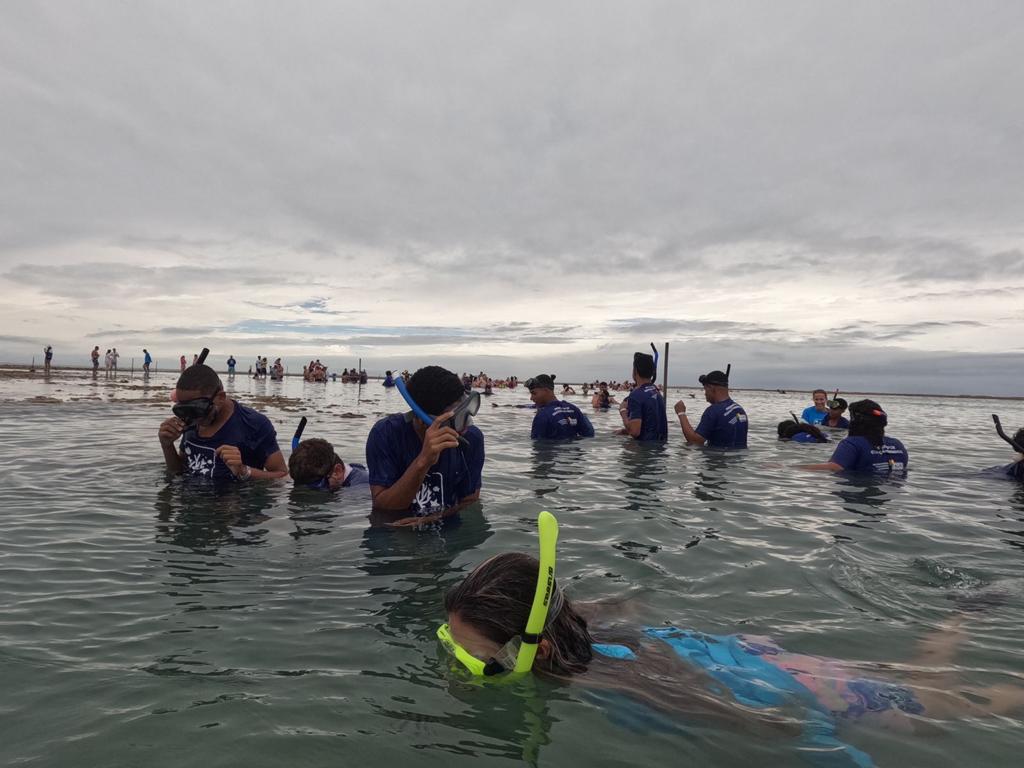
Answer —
47 358
221 439
183 362
146 361
231 366
113 360
107 362
95 359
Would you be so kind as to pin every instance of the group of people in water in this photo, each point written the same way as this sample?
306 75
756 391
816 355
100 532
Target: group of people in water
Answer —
510 617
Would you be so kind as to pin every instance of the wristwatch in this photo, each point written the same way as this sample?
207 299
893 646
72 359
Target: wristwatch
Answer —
246 472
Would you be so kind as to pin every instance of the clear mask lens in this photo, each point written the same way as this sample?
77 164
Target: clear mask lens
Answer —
462 416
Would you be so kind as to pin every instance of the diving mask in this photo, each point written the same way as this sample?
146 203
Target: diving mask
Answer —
197 409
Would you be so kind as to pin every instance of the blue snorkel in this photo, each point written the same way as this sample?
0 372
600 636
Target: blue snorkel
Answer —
418 412
298 433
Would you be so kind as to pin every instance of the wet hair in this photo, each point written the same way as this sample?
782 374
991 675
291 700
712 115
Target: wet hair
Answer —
644 365
495 599
435 388
313 460
387 373
200 378
789 428
867 419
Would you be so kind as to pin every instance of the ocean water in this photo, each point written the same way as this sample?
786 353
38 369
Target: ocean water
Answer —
147 621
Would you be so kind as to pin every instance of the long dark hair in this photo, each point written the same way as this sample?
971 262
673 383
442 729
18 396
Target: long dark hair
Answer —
867 419
496 599
788 429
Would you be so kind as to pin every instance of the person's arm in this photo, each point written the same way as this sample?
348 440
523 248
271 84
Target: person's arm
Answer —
414 521
632 422
170 431
828 466
583 426
845 455
273 469
400 495
693 437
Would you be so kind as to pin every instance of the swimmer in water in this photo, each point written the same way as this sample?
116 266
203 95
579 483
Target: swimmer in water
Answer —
800 432
315 464
602 398
556 419
509 617
815 414
835 418
867 449
1014 470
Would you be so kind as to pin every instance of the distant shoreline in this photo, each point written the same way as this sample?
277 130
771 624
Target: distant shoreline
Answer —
16 368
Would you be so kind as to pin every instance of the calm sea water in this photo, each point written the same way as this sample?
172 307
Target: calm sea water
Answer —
147 621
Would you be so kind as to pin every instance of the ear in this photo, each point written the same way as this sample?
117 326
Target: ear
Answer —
544 649
338 472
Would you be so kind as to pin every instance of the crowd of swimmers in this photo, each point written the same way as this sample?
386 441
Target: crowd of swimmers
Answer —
509 616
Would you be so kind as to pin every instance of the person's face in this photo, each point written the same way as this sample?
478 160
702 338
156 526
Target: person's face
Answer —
819 400
541 395
709 393
217 404
471 639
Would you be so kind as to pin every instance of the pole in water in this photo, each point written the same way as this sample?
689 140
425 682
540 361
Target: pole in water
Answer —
298 433
202 356
664 375
999 431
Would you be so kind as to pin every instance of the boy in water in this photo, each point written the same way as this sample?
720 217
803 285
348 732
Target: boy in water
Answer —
723 424
643 410
426 469
315 465
556 419
220 438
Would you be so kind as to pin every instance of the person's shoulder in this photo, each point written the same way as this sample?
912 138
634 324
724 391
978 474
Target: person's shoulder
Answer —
895 442
388 423
251 416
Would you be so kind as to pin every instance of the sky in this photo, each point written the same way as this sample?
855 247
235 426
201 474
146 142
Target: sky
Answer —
819 193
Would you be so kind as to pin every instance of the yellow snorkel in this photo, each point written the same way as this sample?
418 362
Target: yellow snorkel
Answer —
529 638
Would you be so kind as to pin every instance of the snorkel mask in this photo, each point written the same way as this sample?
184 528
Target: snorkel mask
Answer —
191 411
462 414
515 658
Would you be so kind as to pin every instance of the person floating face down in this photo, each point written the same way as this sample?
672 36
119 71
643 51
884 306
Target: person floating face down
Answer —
834 418
723 424
221 439
815 414
555 419
800 432
316 465
427 470
643 410
866 449
1015 470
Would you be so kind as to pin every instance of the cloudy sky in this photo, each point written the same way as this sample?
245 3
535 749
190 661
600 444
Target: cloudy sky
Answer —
819 193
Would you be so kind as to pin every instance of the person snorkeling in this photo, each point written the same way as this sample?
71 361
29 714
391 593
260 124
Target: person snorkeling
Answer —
800 432
509 617
834 418
867 448
315 465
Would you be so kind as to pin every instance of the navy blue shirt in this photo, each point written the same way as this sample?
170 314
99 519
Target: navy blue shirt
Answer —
844 423
804 437
393 445
1015 470
724 425
559 420
248 430
357 476
646 403
857 454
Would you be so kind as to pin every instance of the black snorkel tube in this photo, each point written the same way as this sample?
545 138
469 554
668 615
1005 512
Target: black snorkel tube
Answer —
654 349
298 433
999 431
202 356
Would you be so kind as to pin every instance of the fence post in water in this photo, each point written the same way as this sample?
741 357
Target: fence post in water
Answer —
133 368
664 375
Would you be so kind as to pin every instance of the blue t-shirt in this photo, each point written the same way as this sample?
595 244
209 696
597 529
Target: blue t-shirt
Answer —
857 454
813 416
1015 470
844 423
724 425
804 437
250 431
646 403
559 420
231 362
393 445
148 360
357 476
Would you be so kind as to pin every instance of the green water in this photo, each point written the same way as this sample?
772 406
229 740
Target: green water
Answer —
148 622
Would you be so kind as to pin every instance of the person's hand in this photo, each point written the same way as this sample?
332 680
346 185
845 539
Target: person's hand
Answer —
439 437
416 521
232 457
680 407
170 430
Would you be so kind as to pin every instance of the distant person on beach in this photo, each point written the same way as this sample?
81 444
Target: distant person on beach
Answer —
426 470
815 414
867 449
315 464
113 359
835 418
231 365
555 419
183 362
723 423
147 360
220 438
800 432
108 363
47 358
643 410
95 358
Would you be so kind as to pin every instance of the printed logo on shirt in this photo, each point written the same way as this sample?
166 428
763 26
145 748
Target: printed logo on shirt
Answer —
430 494
200 459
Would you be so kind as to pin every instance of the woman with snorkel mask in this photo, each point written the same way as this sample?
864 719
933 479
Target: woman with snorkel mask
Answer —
509 618
426 464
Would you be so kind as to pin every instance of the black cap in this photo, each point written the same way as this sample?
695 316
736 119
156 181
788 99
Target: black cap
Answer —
839 404
714 379
541 381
